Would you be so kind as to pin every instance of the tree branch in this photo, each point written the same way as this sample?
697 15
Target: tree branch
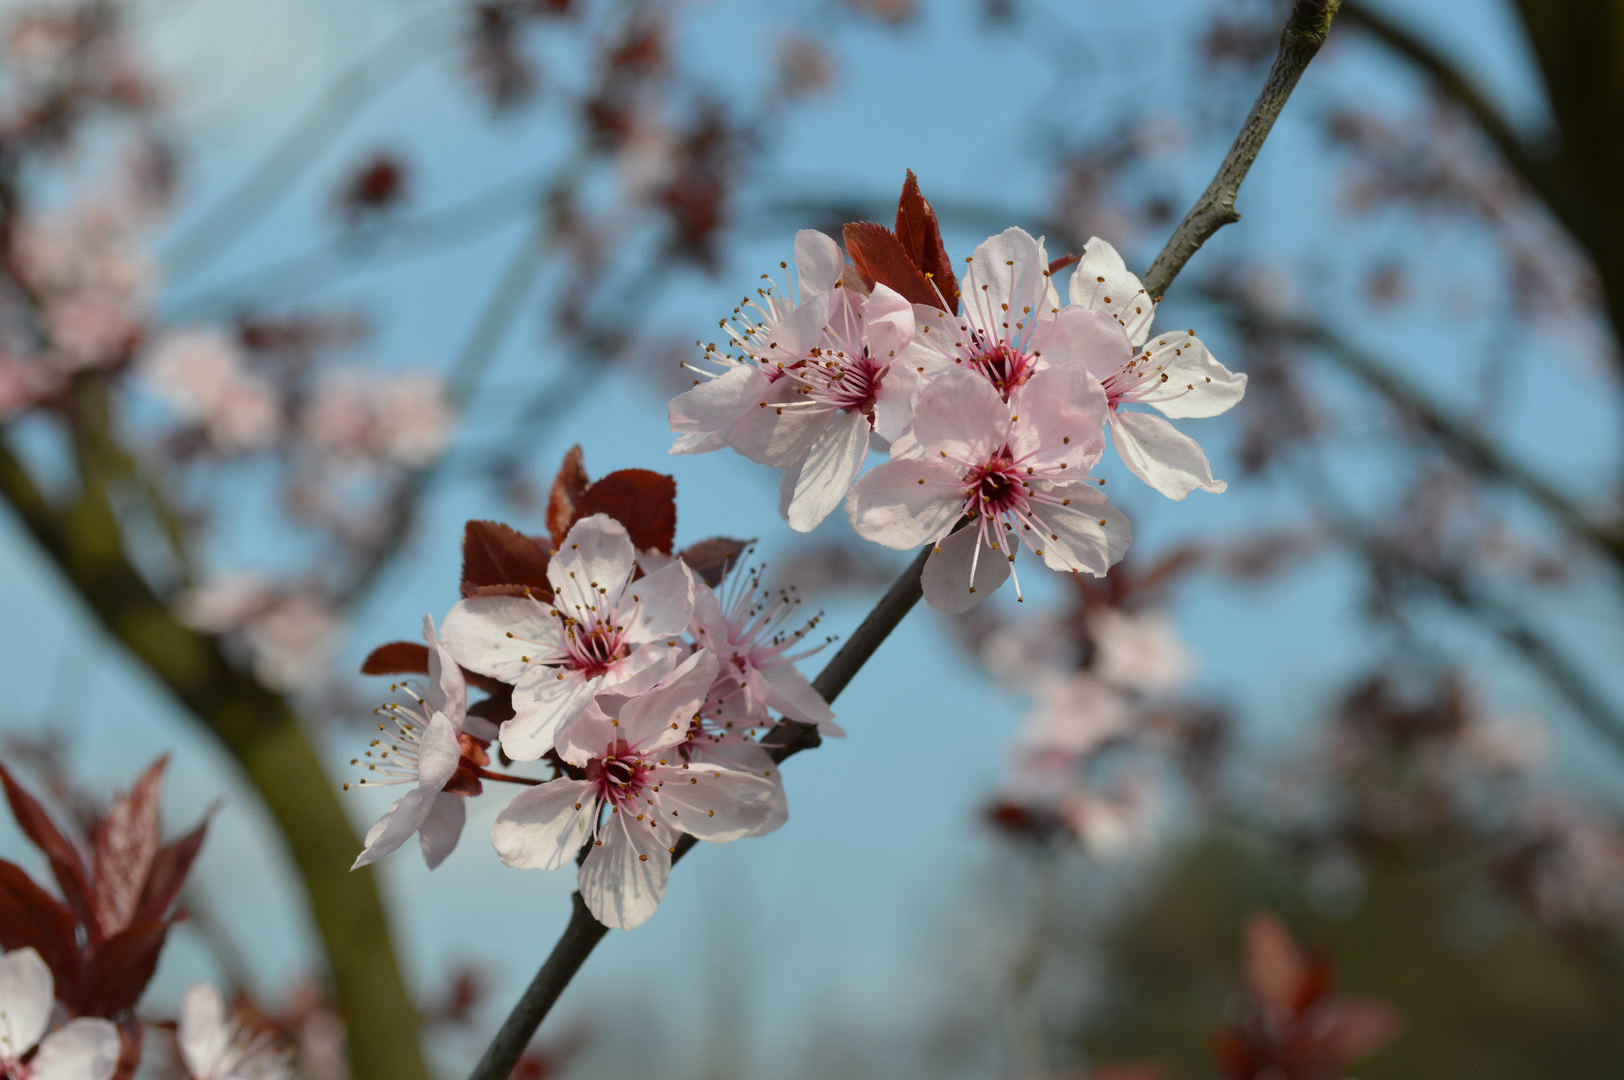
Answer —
1304 34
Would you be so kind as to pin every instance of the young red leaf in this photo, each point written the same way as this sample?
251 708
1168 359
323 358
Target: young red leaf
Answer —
130 1043
1057 265
123 846
32 918
567 490
879 257
495 554
170 865
710 559
120 968
640 499
920 235
66 865
1275 967
397 658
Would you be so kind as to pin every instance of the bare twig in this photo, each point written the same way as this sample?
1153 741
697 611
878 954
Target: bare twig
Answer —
1304 34
1310 20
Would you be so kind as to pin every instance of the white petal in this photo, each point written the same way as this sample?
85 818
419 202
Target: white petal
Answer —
544 701
890 506
889 319
946 580
591 732
83 1049
26 994
704 415
660 717
893 404
437 753
624 880
1080 336
960 414
437 835
719 802
448 691
753 758
397 826
596 553
664 603
1161 455
1196 384
1012 266
1102 282
491 634
1063 413
777 430
204 1034
542 828
830 466
1088 535
791 694
786 487
640 671
818 262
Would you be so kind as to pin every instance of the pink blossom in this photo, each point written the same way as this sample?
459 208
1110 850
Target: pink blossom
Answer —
1075 715
1017 468
1140 652
602 631
203 377
83 1049
24 382
216 1046
745 628
404 419
1174 374
639 793
423 750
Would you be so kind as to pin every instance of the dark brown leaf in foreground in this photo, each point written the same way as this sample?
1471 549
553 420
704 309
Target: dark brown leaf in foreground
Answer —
642 500
920 235
500 560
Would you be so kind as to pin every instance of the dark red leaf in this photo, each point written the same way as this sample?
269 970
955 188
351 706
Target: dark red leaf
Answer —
640 499
1057 265
710 559
498 708
879 257
494 554
567 489
123 845
1275 966
170 866
66 866
120 968
508 590
32 918
920 235
129 1049
397 658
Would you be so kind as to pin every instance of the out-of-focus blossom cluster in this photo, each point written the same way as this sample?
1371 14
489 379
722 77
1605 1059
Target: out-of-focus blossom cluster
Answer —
992 398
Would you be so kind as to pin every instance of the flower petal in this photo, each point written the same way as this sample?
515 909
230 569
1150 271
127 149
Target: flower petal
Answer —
777 431
203 1033
719 802
493 634
1008 269
664 603
1062 414
1088 535
961 416
1080 336
439 832
596 553
891 506
790 693
827 472
544 701
946 579
818 262
889 319
448 691
660 717
624 880
541 828
704 415
396 826
83 1049
1193 383
1161 455
437 753
26 995
751 757
1102 282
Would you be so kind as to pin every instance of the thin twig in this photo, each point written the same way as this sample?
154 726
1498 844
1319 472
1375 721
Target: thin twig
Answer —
1310 20
1304 34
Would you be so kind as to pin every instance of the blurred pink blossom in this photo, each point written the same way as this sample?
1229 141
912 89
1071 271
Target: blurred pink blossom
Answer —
1139 652
402 419
201 374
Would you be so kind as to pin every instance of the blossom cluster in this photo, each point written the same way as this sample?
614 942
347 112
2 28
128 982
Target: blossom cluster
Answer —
991 397
651 682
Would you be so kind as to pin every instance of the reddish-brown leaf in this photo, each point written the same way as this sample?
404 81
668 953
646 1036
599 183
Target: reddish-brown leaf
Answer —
710 559
640 499
170 865
397 658
920 235
124 843
129 1049
498 708
66 866
1275 967
120 968
879 257
1358 1027
495 554
1057 265
32 918
567 490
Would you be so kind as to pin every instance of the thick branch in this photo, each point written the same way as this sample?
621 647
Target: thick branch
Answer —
262 733
1304 34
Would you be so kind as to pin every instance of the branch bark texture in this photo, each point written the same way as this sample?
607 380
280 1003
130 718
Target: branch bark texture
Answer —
1305 32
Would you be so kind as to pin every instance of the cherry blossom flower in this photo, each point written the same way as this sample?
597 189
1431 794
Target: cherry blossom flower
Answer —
745 627
425 749
402 418
201 374
638 794
1013 325
83 1049
602 630
215 1046
1173 373
1017 468
1137 651
1075 715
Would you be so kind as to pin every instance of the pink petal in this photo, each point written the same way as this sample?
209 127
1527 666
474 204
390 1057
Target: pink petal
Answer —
1119 295
1196 384
719 802
543 702
827 473
438 834
1062 419
83 1049
597 552
1077 540
448 691
946 579
890 506
960 414
790 693
624 880
542 828
26 994
660 717
818 262
1161 455
665 603
705 414
492 634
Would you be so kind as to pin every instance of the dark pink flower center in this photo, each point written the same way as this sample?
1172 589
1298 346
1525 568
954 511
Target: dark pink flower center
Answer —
1005 366
620 775
996 487
595 649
